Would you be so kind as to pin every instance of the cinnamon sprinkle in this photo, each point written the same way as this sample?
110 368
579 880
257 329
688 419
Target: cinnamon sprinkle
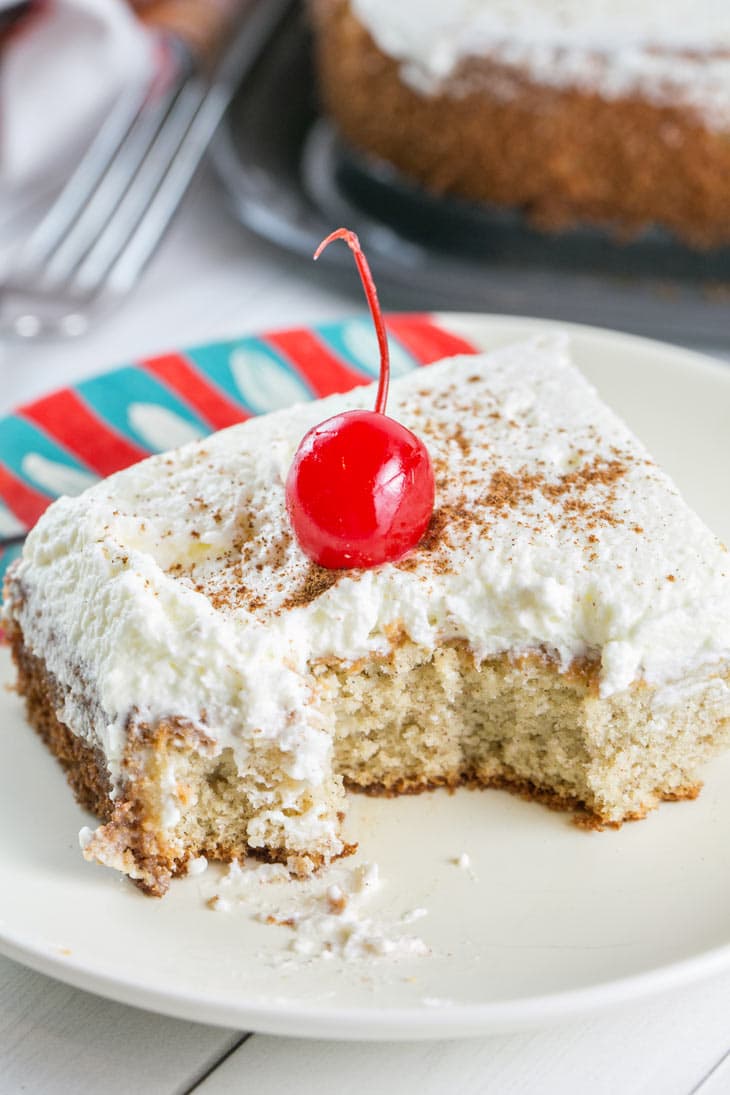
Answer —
317 581
599 472
508 491
474 494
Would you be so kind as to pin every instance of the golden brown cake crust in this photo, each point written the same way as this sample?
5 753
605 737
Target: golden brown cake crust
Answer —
582 816
562 156
86 773
84 766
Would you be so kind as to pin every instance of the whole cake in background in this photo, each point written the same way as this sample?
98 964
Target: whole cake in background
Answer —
574 111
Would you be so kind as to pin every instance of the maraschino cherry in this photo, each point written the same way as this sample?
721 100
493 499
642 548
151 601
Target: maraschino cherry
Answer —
360 490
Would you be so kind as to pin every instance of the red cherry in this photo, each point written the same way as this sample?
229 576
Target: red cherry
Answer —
360 490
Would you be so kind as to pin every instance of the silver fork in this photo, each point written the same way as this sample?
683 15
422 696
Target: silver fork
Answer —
95 241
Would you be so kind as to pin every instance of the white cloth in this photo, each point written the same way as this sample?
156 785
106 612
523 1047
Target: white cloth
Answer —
58 77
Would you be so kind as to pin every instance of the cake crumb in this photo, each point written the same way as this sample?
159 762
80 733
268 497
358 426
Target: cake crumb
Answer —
413 914
218 903
367 877
463 862
336 899
197 866
327 915
85 836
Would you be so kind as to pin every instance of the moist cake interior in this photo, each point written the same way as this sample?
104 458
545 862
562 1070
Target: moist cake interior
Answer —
411 722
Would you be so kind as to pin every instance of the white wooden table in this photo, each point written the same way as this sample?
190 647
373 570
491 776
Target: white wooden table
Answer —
209 281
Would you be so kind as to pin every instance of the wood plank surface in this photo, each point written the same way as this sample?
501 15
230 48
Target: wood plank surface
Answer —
57 1039
664 1046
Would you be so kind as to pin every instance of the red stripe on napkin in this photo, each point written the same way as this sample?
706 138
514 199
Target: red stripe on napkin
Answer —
425 340
194 389
324 371
23 501
67 419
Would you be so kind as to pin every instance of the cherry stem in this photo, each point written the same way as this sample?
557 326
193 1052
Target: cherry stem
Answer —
371 294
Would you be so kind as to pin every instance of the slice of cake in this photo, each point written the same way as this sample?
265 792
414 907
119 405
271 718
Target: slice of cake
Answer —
606 112
562 629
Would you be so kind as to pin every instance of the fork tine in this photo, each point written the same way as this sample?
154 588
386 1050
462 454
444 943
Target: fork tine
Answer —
155 219
82 183
158 200
114 236
103 228
113 185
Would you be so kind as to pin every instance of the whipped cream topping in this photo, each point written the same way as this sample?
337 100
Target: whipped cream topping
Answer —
175 588
668 50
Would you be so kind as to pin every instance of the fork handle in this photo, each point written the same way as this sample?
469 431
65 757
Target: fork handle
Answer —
204 26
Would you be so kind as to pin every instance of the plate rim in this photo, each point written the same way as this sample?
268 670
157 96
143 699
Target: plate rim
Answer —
401 1023
395 1024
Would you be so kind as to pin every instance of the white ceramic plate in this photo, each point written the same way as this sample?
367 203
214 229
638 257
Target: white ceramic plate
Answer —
552 921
